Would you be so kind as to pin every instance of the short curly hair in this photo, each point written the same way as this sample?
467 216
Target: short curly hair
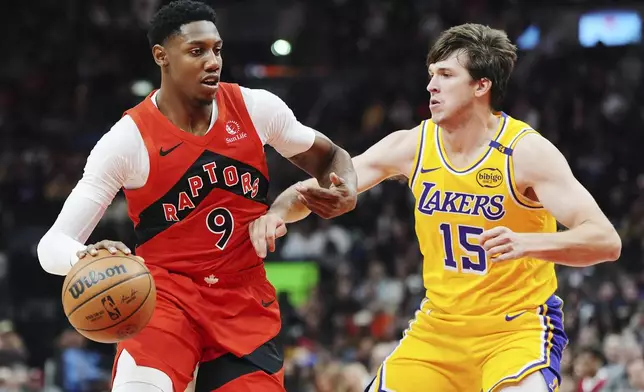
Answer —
169 19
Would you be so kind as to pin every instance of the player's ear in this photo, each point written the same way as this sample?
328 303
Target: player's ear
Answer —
482 86
160 55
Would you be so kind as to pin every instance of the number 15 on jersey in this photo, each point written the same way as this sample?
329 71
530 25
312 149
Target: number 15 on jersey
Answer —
462 237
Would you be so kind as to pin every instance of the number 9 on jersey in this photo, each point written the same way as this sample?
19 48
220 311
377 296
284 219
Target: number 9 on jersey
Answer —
220 221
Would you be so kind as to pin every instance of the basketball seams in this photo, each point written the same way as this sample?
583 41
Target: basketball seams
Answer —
135 311
106 289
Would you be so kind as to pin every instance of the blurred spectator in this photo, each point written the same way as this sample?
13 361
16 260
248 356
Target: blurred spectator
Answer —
621 352
588 370
636 375
12 350
80 369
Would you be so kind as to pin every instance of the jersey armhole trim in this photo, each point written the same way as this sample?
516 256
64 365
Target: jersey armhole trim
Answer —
516 195
418 156
238 105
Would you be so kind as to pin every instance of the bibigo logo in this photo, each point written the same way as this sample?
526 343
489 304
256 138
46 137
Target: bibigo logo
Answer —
489 177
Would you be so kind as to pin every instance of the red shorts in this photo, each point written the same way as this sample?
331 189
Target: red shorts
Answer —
226 324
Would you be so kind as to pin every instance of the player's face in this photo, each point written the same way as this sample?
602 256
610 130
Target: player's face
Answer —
194 60
451 87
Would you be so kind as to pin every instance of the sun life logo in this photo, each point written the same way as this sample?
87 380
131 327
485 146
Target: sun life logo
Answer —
232 127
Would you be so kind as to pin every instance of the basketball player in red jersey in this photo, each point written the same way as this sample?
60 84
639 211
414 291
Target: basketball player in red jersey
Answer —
190 158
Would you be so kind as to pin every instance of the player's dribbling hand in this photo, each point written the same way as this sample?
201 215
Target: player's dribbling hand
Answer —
328 203
264 231
501 244
111 246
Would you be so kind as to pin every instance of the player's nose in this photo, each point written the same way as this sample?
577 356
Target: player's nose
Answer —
432 86
213 62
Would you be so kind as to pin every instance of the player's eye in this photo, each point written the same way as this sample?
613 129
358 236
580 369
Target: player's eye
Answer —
196 52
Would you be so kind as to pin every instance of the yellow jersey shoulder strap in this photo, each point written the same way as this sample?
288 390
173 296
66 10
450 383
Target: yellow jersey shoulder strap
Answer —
426 128
517 131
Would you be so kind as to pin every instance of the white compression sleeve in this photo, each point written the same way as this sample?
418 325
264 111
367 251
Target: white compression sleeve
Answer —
276 123
114 162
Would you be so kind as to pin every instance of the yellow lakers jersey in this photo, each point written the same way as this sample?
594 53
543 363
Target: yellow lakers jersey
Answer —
454 205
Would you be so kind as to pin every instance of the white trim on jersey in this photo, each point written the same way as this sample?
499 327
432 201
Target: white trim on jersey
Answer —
120 160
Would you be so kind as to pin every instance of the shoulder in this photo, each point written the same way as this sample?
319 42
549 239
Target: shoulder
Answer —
115 159
409 141
404 140
515 123
514 130
423 133
123 140
124 133
535 158
408 137
124 127
411 135
395 151
531 145
256 98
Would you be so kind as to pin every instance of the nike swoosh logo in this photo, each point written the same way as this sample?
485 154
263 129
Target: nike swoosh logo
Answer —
163 152
423 170
267 304
510 318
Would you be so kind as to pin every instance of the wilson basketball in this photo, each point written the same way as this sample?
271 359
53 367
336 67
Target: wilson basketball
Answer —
109 298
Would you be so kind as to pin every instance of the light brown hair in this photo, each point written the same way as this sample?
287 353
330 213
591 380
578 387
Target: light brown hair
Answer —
490 54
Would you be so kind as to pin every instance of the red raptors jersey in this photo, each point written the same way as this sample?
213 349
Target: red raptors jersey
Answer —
202 192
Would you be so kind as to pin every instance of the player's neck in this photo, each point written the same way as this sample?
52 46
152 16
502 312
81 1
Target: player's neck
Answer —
468 131
189 116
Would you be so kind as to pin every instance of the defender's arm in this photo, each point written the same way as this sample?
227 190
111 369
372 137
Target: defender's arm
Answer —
391 156
308 149
325 158
591 238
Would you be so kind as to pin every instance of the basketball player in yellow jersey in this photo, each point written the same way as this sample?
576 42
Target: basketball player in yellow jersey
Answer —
488 192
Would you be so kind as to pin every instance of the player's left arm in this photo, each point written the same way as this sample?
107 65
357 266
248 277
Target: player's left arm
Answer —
590 238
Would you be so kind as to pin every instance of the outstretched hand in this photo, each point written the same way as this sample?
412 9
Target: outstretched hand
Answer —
328 203
264 231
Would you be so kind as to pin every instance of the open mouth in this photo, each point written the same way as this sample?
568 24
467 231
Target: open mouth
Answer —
211 81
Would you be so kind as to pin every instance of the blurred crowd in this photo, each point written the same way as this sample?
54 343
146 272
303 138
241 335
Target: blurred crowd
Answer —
73 74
